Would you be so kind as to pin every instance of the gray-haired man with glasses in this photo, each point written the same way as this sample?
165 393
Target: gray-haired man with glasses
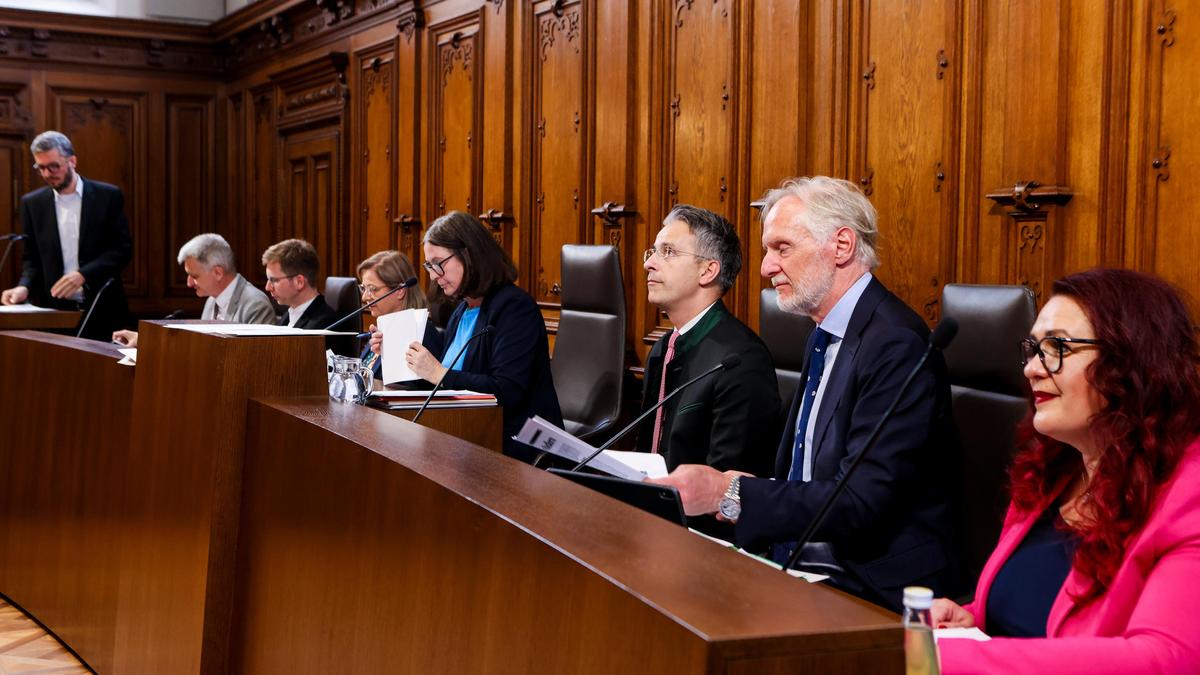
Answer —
729 420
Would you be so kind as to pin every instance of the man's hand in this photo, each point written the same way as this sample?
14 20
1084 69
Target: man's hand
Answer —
68 285
700 487
14 296
422 362
127 338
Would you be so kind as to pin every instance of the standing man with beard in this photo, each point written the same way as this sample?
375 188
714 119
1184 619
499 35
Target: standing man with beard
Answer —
76 240
891 528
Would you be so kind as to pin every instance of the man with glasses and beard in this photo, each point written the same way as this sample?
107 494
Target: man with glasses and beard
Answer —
76 240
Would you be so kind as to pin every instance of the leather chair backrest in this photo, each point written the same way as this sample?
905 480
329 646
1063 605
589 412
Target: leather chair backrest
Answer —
786 336
341 293
589 348
990 399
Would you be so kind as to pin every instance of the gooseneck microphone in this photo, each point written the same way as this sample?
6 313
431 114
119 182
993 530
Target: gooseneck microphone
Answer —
412 281
941 336
8 248
92 308
483 331
729 362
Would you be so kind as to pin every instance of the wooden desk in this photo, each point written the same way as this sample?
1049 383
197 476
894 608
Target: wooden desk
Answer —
482 425
52 320
64 414
371 545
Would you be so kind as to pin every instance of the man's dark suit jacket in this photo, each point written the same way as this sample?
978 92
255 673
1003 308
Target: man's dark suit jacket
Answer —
512 362
728 420
104 250
318 316
891 527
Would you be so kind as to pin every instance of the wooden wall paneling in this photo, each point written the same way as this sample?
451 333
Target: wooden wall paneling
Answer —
455 108
234 205
311 123
190 183
501 111
372 186
409 69
1022 130
1167 239
15 133
561 119
830 80
109 131
776 120
699 76
905 141
262 227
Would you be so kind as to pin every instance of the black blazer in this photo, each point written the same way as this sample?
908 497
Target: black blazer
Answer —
891 527
105 248
730 419
512 362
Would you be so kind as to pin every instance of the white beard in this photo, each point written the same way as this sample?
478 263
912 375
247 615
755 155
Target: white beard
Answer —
807 294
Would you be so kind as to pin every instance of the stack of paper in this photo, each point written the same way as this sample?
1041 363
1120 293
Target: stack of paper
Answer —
544 436
445 398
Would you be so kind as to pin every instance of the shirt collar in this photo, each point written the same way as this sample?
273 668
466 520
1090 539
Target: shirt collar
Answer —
77 194
695 320
838 319
294 313
226 296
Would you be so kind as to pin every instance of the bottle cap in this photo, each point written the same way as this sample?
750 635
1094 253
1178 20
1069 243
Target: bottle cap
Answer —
918 597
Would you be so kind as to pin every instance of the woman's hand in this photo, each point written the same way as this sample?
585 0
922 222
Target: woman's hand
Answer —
949 614
376 342
423 363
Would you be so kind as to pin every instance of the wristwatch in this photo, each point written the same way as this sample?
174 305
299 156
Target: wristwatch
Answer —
731 504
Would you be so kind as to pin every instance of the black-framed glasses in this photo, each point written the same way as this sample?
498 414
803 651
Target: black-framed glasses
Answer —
666 252
52 167
1051 350
274 281
437 266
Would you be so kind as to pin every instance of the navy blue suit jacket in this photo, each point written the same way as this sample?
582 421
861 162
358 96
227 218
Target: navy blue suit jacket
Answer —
105 248
512 362
891 527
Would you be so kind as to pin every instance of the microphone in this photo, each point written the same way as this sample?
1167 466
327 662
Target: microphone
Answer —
14 237
941 336
483 331
173 315
412 281
728 363
91 309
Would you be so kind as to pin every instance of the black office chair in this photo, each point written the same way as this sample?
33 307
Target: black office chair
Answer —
341 293
990 398
589 349
786 336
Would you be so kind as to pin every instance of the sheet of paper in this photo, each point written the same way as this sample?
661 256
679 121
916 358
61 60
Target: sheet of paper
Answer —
650 464
399 330
442 393
543 435
23 309
129 353
251 329
807 576
971 633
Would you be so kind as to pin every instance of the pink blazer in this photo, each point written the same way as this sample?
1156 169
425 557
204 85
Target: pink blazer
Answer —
1147 622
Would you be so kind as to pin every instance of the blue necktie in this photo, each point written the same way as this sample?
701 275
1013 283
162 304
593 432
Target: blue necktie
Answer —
816 368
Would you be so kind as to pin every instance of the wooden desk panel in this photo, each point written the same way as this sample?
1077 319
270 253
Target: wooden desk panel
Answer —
64 415
370 545
189 410
57 319
483 426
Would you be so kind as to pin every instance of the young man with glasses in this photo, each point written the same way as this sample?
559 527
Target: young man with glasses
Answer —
291 267
76 240
731 419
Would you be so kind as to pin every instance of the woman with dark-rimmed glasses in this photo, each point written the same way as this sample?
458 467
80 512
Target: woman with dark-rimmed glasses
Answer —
511 359
1098 566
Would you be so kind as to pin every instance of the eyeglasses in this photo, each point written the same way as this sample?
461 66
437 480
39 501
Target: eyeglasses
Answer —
52 167
273 281
1051 350
666 252
370 289
437 266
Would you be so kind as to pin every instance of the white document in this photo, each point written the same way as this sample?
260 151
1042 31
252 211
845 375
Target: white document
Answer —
971 633
422 395
130 356
543 435
400 329
807 576
650 464
23 309
251 329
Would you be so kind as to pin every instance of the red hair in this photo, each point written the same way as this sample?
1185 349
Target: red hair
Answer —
1147 375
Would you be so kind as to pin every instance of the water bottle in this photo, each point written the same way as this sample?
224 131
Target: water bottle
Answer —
920 651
